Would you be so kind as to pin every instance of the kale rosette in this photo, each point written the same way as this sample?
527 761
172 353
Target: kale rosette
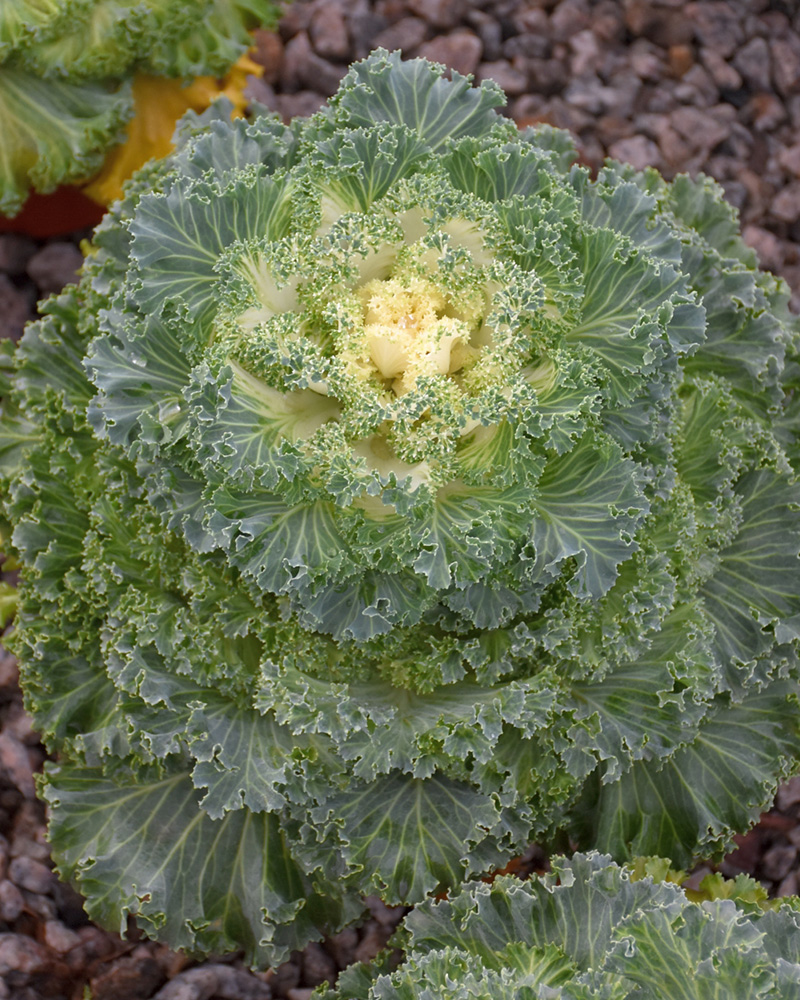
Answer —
590 930
390 493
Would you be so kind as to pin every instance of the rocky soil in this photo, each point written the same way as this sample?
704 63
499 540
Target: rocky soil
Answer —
709 86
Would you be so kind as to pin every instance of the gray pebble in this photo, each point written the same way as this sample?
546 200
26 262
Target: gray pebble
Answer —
194 984
549 76
15 252
214 980
11 901
569 18
328 32
269 54
789 159
60 938
55 266
95 943
765 112
16 308
777 861
44 907
23 845
646 62
240 984
303 68
528 46
302 104
531 20
753 62
405 34
128 978
9 671
441 14
502 72
318 966
489 32
15 762
770 255
387 916
789 793
722 73
788 886
717 25
21 954
786 204
30 874
372 941
363 27
461 50
284 978
342 947
697 87
586 53
19 723
702 130
785 53
637 150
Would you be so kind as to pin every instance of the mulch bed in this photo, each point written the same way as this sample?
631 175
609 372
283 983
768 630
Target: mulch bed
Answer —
709 86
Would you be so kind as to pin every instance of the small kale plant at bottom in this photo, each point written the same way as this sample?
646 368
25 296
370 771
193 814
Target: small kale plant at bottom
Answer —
390 493
589 931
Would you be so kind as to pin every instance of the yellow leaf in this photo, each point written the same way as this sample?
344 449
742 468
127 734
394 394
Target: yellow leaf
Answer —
159 103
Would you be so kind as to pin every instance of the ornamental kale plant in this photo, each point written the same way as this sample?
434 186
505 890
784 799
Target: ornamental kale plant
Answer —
390 493
589 931
67 70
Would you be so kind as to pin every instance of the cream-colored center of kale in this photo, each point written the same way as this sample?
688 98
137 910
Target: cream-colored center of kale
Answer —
413 329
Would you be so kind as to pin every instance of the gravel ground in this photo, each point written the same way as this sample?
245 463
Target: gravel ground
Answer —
682 86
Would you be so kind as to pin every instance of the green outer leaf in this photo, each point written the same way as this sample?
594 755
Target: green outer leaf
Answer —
140 845
96 39
282 548
73 701
707 957
587 506
23 19
221 147
141 381
632 722
369 163
745 342
466 532
516 170
408 836
54 132
757 581
718 783
618 204
51 355
622 296
414 94
179 236
247 760
467 718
